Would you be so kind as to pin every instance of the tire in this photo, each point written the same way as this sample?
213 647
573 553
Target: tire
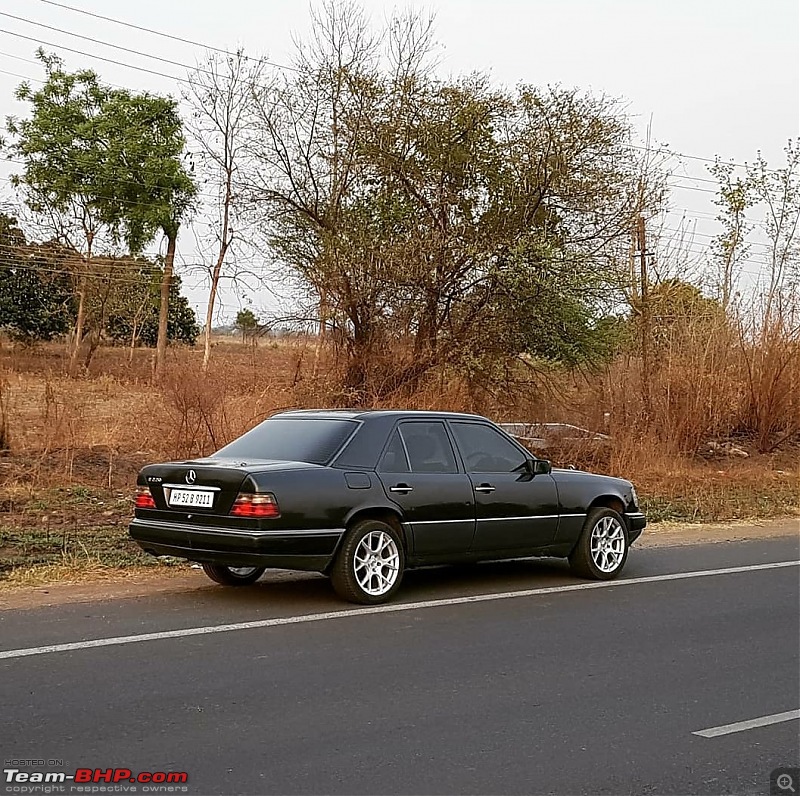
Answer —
233 576
602 549
369 566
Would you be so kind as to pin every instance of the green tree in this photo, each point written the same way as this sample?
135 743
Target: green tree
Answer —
36 297
64 164
246 323
678 311
152 188
133 317
102 167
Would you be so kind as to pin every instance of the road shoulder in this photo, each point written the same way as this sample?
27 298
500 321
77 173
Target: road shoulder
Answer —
119 585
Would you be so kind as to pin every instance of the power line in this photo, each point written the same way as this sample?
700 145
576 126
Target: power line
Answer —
128 261
188 67
21 77
692 233
691 188
693 177
214 197
667 151
9 264
710 216
166 35
707 217
91 55
660 150
699 254
39 63
121 181
20 58
103 43
179 80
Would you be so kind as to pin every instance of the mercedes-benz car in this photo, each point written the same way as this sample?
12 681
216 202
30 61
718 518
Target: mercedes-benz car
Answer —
361 496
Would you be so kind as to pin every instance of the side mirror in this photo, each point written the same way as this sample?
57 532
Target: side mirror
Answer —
539 466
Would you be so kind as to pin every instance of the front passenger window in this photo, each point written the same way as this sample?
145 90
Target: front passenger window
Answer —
486 450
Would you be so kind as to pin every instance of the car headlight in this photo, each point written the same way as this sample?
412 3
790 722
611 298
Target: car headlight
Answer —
634 497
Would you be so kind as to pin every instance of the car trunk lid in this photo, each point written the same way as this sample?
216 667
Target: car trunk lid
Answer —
206 486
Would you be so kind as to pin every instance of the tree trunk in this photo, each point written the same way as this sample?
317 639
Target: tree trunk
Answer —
163 310
212 298
81 318
133 341
360 350
94 342
209 315
323 323
135 330
79 324
96 333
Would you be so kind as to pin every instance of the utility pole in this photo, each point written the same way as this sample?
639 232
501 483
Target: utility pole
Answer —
645 318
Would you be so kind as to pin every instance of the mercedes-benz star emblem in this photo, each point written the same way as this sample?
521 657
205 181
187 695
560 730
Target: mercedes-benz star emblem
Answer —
191 477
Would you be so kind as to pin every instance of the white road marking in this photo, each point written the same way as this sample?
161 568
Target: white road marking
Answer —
739 726
381 609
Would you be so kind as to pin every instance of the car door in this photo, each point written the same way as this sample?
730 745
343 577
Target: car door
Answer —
514 510
420 473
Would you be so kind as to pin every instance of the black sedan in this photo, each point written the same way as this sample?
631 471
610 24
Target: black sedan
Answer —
361 496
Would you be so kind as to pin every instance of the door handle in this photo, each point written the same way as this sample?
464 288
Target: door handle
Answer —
402 488
485 488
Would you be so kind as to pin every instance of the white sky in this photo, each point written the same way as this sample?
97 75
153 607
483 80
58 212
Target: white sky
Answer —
717 77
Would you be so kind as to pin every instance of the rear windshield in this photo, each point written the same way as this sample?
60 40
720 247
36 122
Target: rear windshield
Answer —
308 439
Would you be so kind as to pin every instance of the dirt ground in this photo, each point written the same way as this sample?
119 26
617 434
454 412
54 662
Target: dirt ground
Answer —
114 584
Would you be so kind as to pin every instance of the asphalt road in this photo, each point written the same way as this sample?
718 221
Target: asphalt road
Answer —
590 691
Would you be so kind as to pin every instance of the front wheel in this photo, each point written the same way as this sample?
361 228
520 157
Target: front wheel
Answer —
233 576
602 549
370 563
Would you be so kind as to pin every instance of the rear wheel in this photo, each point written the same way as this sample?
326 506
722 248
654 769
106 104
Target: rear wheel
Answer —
602 549
370 563
233 576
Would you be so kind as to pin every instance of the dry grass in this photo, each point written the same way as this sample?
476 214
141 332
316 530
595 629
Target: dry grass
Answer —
81 570
77 444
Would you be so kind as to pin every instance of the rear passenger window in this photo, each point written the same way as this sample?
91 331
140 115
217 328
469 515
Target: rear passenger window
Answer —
429 448
394 460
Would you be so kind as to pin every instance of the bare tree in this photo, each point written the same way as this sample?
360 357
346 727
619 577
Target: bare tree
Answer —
769 333
220 95
731 247
306 161
778 192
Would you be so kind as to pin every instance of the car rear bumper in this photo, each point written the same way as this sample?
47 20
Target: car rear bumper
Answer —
311 550
636 524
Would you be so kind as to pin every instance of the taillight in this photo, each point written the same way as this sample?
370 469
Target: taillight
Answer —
260 505
143 499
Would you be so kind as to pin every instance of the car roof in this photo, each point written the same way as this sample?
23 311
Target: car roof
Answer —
366 414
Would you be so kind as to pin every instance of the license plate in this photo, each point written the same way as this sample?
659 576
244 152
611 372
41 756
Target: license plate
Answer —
199 498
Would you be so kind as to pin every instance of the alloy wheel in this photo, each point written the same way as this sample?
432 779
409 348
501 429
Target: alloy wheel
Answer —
376 563
608 544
